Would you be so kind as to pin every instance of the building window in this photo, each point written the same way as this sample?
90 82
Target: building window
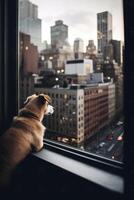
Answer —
83 75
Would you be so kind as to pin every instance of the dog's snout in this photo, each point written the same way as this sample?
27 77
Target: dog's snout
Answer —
50 110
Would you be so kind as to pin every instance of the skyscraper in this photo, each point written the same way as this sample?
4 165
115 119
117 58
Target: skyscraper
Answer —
59 34
104 29
78 48
29 22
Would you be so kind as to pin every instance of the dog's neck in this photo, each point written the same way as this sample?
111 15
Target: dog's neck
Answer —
29 114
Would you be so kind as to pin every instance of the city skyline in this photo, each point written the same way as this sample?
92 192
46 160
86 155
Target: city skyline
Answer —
81 19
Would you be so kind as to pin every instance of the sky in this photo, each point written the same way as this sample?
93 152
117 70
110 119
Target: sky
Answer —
80 16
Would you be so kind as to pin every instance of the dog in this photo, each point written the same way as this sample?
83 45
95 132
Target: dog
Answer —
24 136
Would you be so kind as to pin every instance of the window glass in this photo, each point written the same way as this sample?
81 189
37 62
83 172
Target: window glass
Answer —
73 51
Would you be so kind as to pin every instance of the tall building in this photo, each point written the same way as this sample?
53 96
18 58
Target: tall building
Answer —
78 48
104 29
29 22
59 34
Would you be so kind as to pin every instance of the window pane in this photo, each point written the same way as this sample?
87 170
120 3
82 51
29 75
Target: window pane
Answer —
73 51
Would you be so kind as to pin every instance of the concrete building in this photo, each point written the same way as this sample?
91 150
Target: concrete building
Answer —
79 66
80 111
104 29
29 23
78 48
59 34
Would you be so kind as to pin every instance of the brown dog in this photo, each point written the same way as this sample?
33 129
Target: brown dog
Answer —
25 133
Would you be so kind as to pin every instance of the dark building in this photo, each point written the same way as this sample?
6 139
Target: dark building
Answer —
117 51
108 53
28 64
104 29
28 55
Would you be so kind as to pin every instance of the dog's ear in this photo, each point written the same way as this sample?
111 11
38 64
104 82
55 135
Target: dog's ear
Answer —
29 98
42 99
48 99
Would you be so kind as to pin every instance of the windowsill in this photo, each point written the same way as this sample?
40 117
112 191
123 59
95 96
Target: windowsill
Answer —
104 178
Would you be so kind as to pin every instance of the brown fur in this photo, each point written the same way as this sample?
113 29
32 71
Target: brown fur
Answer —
25 133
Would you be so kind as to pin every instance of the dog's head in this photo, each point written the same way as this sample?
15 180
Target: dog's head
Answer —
39 104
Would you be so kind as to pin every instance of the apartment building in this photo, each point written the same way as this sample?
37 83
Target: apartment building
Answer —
80 111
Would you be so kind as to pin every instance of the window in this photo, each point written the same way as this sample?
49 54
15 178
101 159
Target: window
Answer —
90 53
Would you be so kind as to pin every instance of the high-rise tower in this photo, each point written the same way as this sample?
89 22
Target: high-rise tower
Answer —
104 29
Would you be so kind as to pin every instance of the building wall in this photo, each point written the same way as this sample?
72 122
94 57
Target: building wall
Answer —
111 101
95 109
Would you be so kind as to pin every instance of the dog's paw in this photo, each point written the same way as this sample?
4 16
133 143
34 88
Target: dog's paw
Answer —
38 147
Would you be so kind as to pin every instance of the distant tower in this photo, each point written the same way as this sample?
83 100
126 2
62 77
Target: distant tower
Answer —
78 48
91 48
59 34
29 22
104 30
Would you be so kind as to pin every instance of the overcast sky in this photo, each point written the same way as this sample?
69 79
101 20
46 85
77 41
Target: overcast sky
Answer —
80 16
